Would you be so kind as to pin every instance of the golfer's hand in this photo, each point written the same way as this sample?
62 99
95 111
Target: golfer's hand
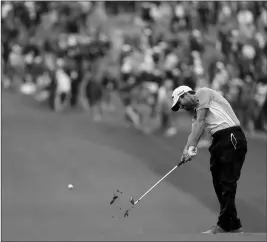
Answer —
188 155
185 158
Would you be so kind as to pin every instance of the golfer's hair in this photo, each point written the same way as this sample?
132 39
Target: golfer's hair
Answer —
192 92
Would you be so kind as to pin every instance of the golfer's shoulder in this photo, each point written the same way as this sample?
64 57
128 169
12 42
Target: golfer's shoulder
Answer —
204 92
204 96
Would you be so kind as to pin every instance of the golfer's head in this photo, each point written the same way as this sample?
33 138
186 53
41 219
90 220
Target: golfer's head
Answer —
179 100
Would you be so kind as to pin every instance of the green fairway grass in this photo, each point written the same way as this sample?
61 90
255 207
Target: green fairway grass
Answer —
43 152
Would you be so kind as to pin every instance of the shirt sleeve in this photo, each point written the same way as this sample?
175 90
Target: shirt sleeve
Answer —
204 98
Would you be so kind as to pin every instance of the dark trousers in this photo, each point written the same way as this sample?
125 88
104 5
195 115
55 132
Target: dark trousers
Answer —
228 151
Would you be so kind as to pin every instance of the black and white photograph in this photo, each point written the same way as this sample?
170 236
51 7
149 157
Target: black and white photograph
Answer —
133 120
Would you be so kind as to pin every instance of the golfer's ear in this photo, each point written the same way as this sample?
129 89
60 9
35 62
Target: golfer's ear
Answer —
201 114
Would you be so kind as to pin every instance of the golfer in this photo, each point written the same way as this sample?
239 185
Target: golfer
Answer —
228 148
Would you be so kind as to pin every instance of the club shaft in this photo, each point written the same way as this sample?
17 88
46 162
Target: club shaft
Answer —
156 183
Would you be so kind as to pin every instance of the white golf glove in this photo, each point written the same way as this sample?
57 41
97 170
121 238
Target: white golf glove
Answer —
192 151
188 154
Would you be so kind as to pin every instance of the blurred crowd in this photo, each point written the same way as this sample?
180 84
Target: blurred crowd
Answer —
53 51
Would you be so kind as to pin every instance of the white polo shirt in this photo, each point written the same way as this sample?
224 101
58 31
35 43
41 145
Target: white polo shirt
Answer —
220 114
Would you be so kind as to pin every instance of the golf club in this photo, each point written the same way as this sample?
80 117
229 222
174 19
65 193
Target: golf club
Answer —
192 151
135 202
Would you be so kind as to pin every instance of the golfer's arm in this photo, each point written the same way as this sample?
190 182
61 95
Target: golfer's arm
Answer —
197 129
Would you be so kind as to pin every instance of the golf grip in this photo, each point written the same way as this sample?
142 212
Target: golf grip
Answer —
157 183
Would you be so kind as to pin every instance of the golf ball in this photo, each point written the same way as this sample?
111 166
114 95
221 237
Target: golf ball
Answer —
70 186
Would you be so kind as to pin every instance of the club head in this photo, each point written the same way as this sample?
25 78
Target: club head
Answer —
132 200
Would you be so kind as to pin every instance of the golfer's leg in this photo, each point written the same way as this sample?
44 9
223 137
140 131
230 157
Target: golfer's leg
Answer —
230 170
218 189
228 219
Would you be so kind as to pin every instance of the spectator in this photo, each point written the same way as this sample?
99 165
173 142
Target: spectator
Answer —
196 41
63 86
153 56
164 103
245 20
203 10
